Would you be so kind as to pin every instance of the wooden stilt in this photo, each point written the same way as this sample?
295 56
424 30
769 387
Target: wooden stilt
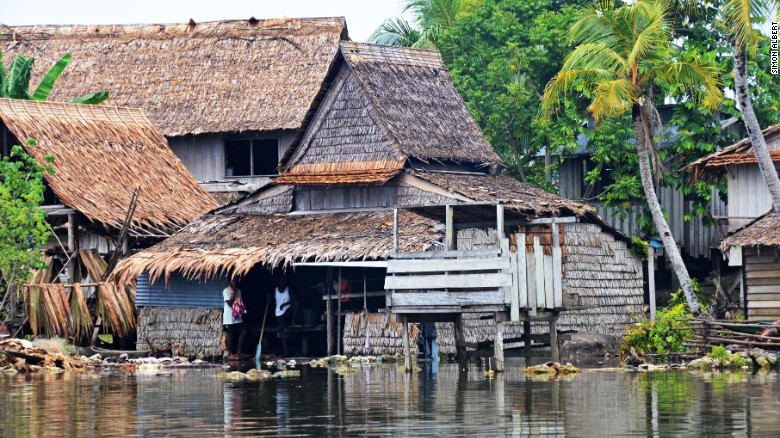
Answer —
338 317
329 311
460 342
556 354
405 338
527 336
651 279
72 248
498 345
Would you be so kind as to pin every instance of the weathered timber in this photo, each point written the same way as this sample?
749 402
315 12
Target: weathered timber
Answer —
446 254
489 298
462 281
441 265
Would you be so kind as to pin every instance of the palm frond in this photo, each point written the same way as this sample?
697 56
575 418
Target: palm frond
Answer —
556 90
699 79
652 31
396 32
594 56
741 15
613 98
82 320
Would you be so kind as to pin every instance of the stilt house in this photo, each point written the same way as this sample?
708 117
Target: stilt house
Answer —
230 96
116 185
390 163
751 245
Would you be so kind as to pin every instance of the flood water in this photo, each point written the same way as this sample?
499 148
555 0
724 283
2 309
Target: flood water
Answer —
380 401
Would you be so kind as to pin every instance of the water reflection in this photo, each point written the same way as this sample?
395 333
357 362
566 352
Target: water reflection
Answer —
380 401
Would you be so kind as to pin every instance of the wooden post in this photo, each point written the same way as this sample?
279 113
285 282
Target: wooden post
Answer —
460 342
557 267
651 279
395 230
449 236
556 354
527 336
405 340
338 317
72 248
498 344
500 220
329 310
365 292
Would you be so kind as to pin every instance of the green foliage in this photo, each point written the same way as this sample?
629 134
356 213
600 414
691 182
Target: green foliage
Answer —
15 83
659 336
501 54
678 297
726 358
23 228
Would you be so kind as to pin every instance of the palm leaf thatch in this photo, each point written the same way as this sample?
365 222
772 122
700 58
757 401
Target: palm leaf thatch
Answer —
226 244
101 155
185 76
79 311
48 310
714 166
388 105
115 304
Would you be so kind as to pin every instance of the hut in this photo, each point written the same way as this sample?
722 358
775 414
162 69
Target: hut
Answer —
116 186
756 246
389 150
749 246
230 96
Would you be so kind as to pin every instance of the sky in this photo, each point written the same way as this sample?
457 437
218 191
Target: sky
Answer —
363 16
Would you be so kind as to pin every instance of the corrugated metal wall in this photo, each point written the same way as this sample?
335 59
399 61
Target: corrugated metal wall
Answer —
694 237
179 293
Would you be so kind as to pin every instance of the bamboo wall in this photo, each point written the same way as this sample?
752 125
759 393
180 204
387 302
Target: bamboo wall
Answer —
373 334
197 331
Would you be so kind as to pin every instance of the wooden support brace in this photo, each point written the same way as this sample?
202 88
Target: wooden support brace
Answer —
556 354
498 345
405 340
460 343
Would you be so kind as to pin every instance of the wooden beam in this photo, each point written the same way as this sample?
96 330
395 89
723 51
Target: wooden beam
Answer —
446 254
453 299
498 346
395 230
449 233
539 274
400 266
651 279
556 354
454 281
405 340
338 317
460 342
557 267
500 220
58 210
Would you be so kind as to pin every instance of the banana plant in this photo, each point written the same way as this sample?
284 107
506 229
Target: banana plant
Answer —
15 82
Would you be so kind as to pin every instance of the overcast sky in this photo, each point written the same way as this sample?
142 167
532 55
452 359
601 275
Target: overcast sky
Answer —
363 16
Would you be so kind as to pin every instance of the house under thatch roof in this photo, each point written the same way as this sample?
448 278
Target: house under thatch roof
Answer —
388 105
739 153
101 155
193 78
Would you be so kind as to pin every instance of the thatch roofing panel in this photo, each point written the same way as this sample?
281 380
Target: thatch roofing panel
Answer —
101 155
344 172
764 231
222 76
739 153
415 98
220 243
515 195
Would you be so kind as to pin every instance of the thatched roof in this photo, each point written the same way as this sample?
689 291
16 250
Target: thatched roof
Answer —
529 201
739 153
221 243
387 105
222 76
101 155
763 231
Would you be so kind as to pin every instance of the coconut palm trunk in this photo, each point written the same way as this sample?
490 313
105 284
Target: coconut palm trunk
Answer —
641 132
760 148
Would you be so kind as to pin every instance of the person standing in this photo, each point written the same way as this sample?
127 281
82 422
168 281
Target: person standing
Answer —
284 302
232 319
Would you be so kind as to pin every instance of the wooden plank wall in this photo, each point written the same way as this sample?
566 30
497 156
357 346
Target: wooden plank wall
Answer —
203 155
762 277
748 195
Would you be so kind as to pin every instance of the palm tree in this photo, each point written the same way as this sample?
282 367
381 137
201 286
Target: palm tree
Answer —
623 56
431 18
740 16
15 83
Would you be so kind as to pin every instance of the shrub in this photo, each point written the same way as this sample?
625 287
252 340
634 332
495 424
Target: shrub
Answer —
659 336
